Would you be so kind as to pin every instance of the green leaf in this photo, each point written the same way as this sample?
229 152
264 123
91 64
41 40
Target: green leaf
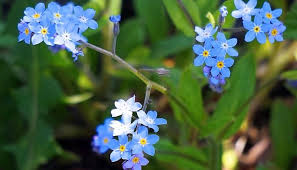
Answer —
75 99
156 22
206 6
172 45
132 35
185 157
291 23
233 105
290 75
178 17
282 134
193 10
184 102
35 148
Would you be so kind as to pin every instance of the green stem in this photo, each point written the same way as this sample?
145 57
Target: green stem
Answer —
234 30
133 70
147 96
215 157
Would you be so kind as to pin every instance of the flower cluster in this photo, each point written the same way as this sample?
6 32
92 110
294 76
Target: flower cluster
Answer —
57 26
212 52
134 138
265 22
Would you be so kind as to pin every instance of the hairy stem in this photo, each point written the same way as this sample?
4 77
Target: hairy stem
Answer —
234 30
133 70
147 96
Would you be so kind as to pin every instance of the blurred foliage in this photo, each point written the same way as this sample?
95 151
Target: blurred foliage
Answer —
46 99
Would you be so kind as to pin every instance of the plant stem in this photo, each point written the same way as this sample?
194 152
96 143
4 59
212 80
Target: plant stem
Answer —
234 30
147 96
142 77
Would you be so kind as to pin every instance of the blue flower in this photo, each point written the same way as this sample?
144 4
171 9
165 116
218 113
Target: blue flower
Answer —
256 29
85 18
58 14
43 31
205 34
276 32
143 142
102 140
223 46
34 15
115 18
245 11
25 32
223 11
268 14
150 119
205 54
67 35
76 53
222 66
121 149
135 162
206 71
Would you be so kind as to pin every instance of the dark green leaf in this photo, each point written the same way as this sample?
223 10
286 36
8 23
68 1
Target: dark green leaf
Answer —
233 104
291 23
206 6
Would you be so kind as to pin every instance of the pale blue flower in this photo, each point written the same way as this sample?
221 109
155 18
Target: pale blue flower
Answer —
125 108
121 149
25 33
276 32
85 18
245 11
256 30
223 11
222 67
142 141
150 119
67 35
115 18
34 15
270 16
135 162
205 54
43 31
205 34
58 14
223 46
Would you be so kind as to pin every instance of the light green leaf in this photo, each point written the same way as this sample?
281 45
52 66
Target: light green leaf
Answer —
290 75
178 17
291 24
282 134
233 104
152 14
206 6
75 99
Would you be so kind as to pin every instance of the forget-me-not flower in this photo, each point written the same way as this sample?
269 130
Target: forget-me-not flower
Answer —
57 14
121 149
125 108
25 32
115 18
85 18
268 15
223 46
276 32
221 66
245 11
67 35
34 15
43 31
123 127
102 140
150 119
205 54
135 162
142 141
205 34
256 30
223 11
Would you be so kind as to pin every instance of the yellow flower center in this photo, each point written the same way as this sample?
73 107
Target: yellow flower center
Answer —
220 64
105 140
142 141
274 32
57 15
122 148
205 53
135 160
36 16
257 29
43 31
27 31
269 15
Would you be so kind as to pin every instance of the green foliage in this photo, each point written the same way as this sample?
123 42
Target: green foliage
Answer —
291 23
282 127
290 75
228 114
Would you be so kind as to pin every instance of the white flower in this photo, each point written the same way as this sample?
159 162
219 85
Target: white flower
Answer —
125 108
123 128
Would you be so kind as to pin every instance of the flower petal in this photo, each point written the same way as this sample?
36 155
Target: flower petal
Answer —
228 62
198 61
215 71
261 37
115 156
225 72
276 13
36 39
239 4
232 42
153 139
236 14
149 149
250 36
232 52
92 24
152 114
252 3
